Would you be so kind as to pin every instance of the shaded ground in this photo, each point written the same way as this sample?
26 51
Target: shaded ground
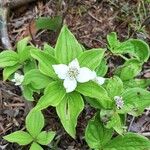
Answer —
90 21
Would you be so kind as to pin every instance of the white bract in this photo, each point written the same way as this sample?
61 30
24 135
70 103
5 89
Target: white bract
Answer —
98 79
18 79
72 74
119 101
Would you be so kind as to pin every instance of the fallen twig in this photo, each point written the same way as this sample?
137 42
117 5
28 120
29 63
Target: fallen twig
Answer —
3 25
4 13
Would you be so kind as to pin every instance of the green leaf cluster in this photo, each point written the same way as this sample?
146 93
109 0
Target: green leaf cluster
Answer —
39 76
34 136
99 137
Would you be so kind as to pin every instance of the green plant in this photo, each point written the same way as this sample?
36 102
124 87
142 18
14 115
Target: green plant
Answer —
49 23
33 135
99 137
68 76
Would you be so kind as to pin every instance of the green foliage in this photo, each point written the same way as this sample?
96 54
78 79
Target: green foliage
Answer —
48 49
20 137
134 47
91 58
121 94
68 111
93 90
45 61
53 95
135 100
130 69
44 138
127 142
34 124
142 83
8 58
49 23
35 146
11 61
96 135
35 78
115 123
102 68
114 86
10 70
67 47
99 137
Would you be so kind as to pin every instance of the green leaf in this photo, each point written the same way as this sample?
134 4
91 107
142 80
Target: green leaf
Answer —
45 62
142 83
53 95
68 111
96 135
133 47
114 86
129 141
44 138
23 49
20 137
93 90
129 70
113 41
135 100
106 114
102 68
8 58
93 102
34 123
8 71
91 58
36 79
115 123
28 92
35 146
29 65
22 44
49 23
137 48
67 47
48 49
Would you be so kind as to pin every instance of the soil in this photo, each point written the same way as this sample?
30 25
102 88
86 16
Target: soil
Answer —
90 21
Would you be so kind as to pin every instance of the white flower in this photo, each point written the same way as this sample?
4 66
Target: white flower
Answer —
18 79
72 74
119 101
98 79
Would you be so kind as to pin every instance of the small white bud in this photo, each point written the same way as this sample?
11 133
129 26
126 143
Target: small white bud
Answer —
119 102
18 79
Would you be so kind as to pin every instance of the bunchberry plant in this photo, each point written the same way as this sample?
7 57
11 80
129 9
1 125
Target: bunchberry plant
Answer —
72 71
34 136
99 137
68 77
135 52
11 61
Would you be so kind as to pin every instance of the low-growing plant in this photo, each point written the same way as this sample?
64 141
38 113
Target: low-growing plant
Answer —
34 136
68 77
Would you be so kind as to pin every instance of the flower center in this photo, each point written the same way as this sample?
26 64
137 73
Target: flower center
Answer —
119 101
73 72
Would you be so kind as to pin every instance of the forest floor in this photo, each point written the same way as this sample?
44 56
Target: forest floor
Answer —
90 21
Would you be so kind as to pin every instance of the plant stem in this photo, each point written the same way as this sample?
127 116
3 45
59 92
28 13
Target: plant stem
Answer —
125 58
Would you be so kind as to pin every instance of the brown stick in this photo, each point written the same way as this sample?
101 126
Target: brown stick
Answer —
4 12
3 26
